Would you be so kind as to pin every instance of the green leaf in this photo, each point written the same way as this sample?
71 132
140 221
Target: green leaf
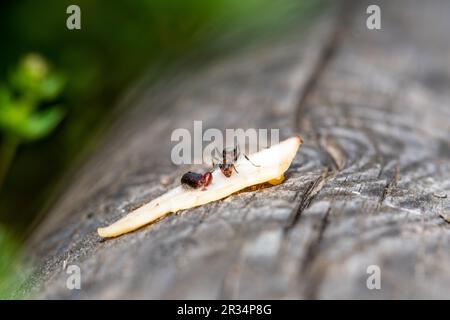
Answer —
51 86
40 124
31 83
5 99
17 122
13 115
34 79
30 72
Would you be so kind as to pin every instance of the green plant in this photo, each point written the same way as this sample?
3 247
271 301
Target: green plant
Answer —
12 272
23 117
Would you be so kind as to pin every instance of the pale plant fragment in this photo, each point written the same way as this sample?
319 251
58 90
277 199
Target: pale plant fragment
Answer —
272 163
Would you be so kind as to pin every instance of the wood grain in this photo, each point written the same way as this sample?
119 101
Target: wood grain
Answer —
369 186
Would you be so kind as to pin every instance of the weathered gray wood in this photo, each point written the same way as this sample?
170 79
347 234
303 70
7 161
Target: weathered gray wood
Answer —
368 187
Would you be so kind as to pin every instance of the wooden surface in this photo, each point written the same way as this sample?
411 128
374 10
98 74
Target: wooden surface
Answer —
368 187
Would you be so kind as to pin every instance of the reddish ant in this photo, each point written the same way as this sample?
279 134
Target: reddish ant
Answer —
229 157
196 180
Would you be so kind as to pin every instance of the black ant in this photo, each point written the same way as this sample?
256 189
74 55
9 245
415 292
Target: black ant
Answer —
196 180
229 157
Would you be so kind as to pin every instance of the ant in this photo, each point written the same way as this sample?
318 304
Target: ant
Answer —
196 180
229 157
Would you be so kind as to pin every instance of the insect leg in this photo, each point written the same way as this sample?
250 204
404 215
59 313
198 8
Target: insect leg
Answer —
215 158
216 152
250 161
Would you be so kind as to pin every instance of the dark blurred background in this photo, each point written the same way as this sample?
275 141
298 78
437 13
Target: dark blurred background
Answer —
58 87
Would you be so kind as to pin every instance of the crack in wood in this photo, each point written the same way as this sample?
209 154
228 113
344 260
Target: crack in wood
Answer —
314 277
312 190
336 157
326 55
390 185
311 251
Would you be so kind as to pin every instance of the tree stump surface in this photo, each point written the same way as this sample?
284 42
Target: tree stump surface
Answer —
370 186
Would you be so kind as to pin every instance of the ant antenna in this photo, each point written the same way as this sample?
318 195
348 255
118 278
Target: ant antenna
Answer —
236 149
251 161
217 154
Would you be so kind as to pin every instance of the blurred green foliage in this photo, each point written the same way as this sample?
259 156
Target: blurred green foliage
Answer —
30 84
12 272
